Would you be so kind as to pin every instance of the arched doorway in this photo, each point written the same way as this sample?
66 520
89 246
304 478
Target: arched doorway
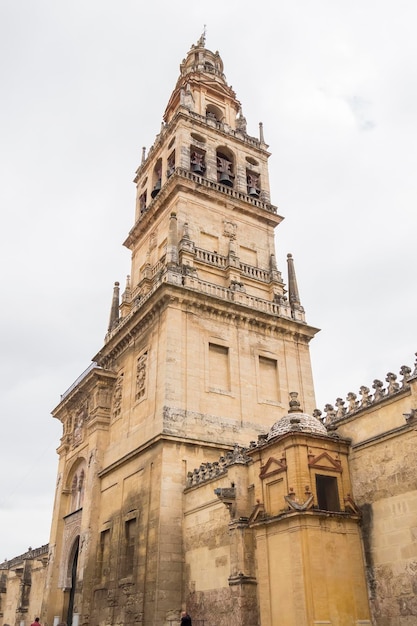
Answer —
72 568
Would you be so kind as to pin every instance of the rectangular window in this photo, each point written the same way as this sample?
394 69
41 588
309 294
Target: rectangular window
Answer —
268 378
327 493
129 546
103 560
219 374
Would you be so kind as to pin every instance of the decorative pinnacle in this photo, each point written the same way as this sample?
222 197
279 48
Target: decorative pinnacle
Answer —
114 312
295 406
293 295
202 41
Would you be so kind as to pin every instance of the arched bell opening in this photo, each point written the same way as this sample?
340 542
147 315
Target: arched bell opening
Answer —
214 113
225 167
197 160
171 164
157 178
253 184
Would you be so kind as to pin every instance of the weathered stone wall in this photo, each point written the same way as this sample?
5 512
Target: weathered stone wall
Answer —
383 465
22 586
385 486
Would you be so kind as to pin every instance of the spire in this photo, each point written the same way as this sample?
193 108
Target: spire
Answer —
127 294
293 295
201 43
114 312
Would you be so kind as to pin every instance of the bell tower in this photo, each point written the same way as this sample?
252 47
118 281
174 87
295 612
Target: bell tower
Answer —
230 343
201 353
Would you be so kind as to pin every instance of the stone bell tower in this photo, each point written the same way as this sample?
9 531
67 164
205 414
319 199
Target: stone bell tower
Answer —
200 355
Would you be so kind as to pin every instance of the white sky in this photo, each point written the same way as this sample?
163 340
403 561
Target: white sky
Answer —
84 85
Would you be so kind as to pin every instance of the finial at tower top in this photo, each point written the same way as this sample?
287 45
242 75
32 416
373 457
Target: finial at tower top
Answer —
202 41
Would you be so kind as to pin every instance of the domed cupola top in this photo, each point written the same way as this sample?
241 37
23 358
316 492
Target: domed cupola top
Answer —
296 421
202 83
199 59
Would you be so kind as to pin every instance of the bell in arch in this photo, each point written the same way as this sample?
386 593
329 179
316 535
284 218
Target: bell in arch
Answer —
156 189
225 179
197 163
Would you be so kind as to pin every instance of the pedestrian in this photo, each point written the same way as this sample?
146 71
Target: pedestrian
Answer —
36 622
185 619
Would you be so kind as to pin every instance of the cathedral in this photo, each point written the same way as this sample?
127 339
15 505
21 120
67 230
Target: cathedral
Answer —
195 472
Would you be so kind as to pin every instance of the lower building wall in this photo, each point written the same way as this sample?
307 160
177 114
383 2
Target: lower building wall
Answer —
22 588
235 605
310 570
382 464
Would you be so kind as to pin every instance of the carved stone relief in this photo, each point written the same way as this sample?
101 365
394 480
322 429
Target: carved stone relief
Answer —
117 396
141 368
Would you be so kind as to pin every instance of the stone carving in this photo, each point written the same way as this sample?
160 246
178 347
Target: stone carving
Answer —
207 471
378 385
393 386
405 373
341 409
117 396
415 368
330 413
229 229
353 403
78 430
366 398
141 376
186 98
241 122
293 502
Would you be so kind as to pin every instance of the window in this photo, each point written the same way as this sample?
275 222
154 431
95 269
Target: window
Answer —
253 184
129 547
197 161
225 174
268 379
171 164
103 557
142 202
157 178
77 490
219 374
327 493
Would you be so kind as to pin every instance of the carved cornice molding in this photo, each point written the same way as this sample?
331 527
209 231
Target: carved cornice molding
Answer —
166 292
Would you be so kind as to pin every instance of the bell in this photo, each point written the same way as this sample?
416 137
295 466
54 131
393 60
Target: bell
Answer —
197 168
156 189
252 191
225 179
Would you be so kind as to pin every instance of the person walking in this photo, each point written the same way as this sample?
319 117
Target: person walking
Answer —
185 619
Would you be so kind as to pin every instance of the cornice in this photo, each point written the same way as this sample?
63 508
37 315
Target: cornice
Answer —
183 180
165 293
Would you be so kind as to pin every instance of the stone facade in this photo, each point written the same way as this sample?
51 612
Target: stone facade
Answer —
184 482
22 583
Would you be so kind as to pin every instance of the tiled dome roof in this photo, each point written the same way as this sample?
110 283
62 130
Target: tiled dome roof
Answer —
294 422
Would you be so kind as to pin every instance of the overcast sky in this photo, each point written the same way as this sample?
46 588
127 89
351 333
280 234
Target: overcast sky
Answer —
84 85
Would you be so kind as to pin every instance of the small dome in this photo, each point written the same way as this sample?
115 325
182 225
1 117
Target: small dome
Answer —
297 422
